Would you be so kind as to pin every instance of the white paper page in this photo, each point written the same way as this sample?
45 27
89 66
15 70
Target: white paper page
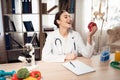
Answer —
78 67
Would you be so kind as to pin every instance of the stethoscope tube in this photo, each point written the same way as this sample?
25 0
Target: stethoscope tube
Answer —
58 39
74 44
58 44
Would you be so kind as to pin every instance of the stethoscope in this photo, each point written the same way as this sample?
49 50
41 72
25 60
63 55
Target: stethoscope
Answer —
59 42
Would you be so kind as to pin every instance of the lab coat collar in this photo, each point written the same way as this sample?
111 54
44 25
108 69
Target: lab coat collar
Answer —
58 35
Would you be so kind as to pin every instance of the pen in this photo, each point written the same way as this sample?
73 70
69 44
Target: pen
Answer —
72 64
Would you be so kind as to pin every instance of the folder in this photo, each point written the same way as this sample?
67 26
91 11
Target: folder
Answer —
28 25
13 25
26 6
78 67
72 6
13 6
6 23
44 8
8 44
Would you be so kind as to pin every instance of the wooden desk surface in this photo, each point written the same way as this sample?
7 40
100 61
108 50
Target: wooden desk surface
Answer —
55 71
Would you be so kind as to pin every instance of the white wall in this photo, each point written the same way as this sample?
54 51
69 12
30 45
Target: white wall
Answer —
82 18
79 14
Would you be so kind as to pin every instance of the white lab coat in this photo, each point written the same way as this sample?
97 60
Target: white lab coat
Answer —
56 50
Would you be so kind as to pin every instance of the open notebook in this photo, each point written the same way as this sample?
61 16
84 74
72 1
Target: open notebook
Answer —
78 67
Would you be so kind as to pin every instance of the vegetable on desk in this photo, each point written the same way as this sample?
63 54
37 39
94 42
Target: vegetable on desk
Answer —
23 73
14 77
30 78
36 74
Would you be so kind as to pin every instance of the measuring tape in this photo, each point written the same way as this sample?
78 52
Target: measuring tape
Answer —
115 64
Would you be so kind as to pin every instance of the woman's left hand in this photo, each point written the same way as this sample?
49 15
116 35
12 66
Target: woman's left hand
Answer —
91 33
94 29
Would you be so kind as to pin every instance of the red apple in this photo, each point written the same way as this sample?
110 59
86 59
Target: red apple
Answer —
91 25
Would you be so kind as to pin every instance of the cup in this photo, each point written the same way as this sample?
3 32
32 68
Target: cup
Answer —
117 55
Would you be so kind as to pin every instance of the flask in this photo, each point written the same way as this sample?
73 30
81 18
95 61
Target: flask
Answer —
105 54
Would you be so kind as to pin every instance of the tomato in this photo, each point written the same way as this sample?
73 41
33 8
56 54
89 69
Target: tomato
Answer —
91 25
36 74
14 77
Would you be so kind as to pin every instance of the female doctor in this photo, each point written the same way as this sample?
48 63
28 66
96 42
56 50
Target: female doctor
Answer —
64 43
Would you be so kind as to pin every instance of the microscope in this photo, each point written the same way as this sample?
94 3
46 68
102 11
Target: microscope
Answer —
28 54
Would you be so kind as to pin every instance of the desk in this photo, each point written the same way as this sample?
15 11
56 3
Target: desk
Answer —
55 71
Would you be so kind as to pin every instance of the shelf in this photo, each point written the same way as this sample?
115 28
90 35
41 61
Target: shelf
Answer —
36 17
21 49
21 27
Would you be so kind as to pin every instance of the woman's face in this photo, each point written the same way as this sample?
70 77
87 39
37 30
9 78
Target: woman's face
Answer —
65 20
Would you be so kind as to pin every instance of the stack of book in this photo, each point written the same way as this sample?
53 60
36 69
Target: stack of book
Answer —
26 6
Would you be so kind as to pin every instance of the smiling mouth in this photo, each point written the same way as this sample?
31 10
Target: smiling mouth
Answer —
69 22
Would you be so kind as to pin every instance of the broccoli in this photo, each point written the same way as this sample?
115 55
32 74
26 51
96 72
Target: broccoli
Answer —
23 73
